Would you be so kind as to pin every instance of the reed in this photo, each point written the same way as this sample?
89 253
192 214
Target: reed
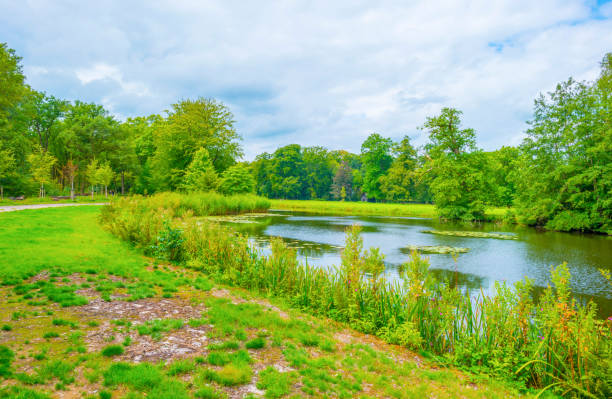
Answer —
555 344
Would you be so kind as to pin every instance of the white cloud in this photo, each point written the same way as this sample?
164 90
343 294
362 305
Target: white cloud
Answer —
314 72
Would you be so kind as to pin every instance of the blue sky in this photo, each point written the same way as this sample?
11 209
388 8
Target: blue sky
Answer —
314 72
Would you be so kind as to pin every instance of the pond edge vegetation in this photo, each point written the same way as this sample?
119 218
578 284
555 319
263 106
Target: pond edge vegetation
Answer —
554 344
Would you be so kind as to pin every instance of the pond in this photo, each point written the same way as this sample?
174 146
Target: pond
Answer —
319 240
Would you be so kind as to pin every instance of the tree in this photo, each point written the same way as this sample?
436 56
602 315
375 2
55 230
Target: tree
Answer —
92 175
104 176
43 112
318 172
454 168
200 174
191 125
565 177
70 172
342 186
446 135
41 164
399 182
287 172
7 165
237 179
12 86
376 158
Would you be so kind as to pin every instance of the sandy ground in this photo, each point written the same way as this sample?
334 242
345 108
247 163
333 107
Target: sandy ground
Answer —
11 208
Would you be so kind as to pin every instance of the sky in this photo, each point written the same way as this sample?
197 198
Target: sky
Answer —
314 72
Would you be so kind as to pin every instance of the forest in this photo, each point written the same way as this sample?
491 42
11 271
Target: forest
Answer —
559 177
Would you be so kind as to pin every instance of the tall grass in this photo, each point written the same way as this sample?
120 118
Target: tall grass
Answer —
555 343
140 219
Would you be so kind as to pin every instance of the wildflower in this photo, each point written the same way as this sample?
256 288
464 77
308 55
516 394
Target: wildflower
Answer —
610 318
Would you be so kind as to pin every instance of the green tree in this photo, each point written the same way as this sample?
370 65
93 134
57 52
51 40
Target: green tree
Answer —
565 178
92 175
104 176
43 113
287 172
191 125
342 185
70 170
12 86
399 182
41 165
87 132
237 179
377 159
318 172
455 169
200 174
7 166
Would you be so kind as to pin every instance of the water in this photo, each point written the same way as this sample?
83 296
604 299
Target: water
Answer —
319 240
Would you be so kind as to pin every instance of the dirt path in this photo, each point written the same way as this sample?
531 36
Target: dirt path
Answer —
11 208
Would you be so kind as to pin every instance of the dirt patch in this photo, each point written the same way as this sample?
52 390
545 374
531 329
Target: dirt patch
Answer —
141 310
178 343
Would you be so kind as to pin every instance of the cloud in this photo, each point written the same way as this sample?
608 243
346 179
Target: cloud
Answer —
314 72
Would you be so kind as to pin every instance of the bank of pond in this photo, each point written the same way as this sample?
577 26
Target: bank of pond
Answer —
552 342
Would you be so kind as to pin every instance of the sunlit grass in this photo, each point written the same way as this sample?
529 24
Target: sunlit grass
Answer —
369 208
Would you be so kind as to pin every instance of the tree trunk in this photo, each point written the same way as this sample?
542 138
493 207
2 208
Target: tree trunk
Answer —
106 191
92 191
72 188
122 183
1 192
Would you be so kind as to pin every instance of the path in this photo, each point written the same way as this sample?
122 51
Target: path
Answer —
11 208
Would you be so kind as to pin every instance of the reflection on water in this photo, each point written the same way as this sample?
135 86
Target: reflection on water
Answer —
318 240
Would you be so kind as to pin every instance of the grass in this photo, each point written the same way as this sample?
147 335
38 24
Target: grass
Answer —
49 200
68 244
369 208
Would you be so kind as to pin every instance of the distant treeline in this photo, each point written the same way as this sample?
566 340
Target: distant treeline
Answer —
559 177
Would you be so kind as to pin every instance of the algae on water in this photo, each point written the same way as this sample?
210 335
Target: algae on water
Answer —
437 249
476 234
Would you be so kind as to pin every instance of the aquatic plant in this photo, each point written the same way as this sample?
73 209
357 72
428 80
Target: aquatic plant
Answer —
436 249
476 234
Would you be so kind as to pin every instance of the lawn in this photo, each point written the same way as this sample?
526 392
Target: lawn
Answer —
85 315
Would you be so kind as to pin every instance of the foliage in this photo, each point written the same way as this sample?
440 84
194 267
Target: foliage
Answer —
41 163
200 175
189 126
565 176
377 159
455 170
237 179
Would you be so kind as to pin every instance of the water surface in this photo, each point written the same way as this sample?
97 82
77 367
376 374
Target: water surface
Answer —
320 238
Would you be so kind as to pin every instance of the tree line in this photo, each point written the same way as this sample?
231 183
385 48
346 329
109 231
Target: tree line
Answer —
559 177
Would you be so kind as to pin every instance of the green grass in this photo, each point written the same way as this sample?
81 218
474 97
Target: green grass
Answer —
368 208
112 350
69 238
49 200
